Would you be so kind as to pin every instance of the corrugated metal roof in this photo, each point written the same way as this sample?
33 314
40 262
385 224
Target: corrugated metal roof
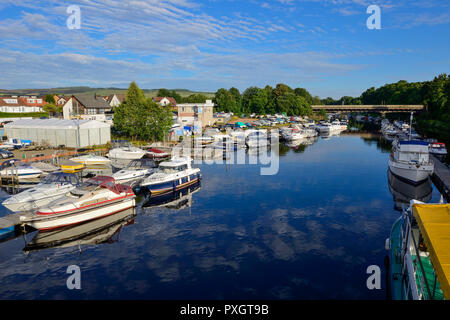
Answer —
55 124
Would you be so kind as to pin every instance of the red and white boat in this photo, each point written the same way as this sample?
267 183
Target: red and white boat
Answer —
96 198
156 154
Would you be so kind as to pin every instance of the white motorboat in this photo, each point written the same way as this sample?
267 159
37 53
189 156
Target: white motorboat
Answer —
91 159
343 125
55 185
124 150
136 169
325 128
410 160
98 231
336 125
20 169
438 148
97 197
172 176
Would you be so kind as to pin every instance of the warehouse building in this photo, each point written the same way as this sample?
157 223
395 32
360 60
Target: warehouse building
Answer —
57 132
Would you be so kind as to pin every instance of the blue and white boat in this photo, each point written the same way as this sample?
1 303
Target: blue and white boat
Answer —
15 167
410 161
172 176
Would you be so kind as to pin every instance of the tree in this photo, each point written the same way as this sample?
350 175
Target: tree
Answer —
237 98
49 98
138 117
225 101
254 100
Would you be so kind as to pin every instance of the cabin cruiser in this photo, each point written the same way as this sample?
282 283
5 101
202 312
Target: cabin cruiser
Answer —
418 256
325 128
343 125
53 186
410 160
97 197
15 167
172 176
136 169
438 148
91 159
124 150
336 125
257 139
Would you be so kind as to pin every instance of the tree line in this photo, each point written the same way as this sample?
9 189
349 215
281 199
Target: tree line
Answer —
139 117
267 100
434 95
193 98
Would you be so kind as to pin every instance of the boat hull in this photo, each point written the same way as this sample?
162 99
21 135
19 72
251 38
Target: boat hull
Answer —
172 186
49 222
410 172
32 204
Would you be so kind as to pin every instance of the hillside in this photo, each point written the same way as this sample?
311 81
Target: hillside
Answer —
99 91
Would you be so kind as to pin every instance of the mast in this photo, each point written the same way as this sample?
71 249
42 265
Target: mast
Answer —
410 124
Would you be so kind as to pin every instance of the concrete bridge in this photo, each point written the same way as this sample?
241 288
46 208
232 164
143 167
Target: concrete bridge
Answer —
370 108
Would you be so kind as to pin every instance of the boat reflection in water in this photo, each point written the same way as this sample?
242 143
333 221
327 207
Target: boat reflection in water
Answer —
177 200
103 230
403 192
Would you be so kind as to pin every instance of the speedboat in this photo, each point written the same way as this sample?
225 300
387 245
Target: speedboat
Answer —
98 231
438 148
336 125
91 159
418 259
15 167
156 154
97 197
136 169
124 150
410 160
53 186
172 176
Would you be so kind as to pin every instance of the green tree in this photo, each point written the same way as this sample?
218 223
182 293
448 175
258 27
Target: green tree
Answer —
49 98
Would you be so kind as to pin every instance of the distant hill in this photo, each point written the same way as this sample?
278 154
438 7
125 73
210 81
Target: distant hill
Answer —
100 91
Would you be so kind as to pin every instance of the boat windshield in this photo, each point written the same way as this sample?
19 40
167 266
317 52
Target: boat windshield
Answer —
54 178
172 169
141 164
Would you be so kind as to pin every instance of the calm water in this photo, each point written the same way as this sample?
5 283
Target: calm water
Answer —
308 232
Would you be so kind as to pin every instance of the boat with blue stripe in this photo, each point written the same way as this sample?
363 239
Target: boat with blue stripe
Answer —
172 176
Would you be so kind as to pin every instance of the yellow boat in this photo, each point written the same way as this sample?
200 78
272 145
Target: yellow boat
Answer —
71 166
419 253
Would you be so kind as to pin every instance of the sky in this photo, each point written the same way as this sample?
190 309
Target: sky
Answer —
324 46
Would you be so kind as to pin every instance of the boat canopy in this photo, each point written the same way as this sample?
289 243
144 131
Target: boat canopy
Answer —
61 177
98 180
414 142
109 183
434 225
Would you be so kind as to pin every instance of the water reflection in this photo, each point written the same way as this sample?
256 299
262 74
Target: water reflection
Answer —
99 231
403 192
175 200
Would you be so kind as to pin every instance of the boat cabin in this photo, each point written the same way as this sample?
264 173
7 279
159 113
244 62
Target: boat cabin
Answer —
61 178
412 151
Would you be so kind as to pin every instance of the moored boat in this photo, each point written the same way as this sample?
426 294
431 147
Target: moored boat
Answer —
97 197
91 159
123 149
172 176
136 169
410 161
15 167
418 253
55 185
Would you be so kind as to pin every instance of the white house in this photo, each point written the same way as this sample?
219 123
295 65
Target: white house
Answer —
21 104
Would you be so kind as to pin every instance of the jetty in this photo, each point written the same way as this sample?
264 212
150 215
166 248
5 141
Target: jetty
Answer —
441 177
11 226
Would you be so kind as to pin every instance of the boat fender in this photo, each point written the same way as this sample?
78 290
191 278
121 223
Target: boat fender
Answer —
387 244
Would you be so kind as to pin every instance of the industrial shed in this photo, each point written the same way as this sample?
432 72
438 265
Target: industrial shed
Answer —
56 132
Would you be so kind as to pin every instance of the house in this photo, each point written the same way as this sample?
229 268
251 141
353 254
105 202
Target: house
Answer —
198 114
87 106
165 101
15 104
60 100
115 99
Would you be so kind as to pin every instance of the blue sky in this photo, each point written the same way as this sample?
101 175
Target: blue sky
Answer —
322 45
